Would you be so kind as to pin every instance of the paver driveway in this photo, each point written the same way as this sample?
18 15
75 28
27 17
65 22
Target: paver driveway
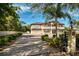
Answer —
25 45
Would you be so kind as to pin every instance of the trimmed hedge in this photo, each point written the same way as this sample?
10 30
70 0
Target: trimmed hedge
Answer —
5 39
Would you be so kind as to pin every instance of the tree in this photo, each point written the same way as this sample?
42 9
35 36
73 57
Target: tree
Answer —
9 19
76 23
72 35
56 11
51 10
25 28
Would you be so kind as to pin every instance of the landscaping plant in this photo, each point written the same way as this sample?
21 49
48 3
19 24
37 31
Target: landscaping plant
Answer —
45 38
4 40
54 41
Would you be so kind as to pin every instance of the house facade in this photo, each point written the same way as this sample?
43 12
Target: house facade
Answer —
46 28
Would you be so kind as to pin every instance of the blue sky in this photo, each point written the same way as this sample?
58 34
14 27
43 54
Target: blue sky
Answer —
30 17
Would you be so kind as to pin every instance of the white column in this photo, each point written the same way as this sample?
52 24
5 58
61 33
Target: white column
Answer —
51 34
71 45
58 32
42 29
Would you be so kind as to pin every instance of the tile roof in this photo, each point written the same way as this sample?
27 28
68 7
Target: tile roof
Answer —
39 23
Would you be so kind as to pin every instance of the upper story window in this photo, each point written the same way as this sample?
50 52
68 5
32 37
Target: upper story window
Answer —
35 26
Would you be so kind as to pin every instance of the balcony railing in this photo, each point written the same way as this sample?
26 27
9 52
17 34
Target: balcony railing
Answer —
47 27
53 27
36 27
60 27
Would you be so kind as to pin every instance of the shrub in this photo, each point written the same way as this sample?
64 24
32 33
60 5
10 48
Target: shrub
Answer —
51 41
5 39
54 42
2 41
19 34
45 37
13 37
9 38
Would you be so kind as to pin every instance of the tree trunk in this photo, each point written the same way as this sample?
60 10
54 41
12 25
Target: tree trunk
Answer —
57 34
71 41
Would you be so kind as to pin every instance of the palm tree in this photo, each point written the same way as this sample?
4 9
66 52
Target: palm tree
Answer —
55 11
51 11
76 23
72 35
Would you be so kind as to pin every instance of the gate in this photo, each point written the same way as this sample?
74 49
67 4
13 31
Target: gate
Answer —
77 41
64 41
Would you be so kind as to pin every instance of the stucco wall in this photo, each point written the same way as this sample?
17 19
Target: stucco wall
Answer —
36 32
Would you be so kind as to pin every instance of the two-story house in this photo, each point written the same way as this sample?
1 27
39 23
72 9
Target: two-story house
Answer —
46 28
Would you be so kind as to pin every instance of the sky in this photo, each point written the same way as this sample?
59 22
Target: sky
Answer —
29 16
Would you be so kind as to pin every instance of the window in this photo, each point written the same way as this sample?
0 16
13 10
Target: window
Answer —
46 31
36 26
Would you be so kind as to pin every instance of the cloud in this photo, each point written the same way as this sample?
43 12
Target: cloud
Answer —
25 8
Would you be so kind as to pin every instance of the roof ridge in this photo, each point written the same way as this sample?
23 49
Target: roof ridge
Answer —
43 23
